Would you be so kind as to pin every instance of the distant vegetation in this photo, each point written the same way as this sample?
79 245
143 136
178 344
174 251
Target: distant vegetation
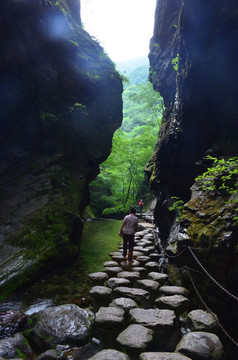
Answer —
121 181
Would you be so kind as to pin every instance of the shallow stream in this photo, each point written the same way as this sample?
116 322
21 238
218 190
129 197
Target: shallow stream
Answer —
71 284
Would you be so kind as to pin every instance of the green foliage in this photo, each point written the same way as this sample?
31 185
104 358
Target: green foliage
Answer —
177 206
175 62
221 178
121 178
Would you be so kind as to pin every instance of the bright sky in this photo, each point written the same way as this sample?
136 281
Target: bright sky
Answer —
123 27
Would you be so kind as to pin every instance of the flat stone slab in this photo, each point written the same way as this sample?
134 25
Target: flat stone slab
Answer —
152 266
118 258
160 277
115 253
155 256
149 285
110 263
141 270
109 318
126 265
202 321
178 303
162 356
113 282
143 259
200 345
141 296
174 290
137 253
98 278
112 270
161 321
124 303
136 337
100 292
130 275
110 354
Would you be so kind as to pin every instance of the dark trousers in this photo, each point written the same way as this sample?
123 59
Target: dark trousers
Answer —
128 242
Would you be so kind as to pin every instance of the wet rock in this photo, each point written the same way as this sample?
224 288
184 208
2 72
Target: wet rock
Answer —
11 322
173 290
161 278
178 303
200 345
64 324
142 297
124 303
202 321
110 354
14 345
98 278
51 355
162 356
114 282
135 338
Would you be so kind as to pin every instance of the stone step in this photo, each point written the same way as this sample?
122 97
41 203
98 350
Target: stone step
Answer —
178 303
98 278
173 290
110 354
140 296
156 276
162 356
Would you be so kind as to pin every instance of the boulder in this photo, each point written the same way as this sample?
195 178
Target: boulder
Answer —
178 303
13 346
64 324
141 270
110 354
162 356
202 321
200 345
110 263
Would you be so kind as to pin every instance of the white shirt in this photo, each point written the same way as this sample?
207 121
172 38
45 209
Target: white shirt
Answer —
131 222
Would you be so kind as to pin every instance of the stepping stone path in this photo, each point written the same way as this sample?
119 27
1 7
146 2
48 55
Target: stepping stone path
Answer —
137 311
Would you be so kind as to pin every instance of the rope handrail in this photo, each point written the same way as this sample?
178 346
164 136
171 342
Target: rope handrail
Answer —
209 310
211 277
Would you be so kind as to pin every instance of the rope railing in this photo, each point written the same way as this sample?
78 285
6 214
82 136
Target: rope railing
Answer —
195 288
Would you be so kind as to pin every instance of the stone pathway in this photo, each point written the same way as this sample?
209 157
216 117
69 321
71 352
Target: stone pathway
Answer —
141 315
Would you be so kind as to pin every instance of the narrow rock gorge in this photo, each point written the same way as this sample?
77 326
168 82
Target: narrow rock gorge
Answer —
193 64
60 104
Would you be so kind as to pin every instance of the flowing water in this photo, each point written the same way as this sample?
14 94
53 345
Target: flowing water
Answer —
71 284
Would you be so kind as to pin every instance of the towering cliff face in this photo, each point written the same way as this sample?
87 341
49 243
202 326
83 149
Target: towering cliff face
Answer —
200 119
60 102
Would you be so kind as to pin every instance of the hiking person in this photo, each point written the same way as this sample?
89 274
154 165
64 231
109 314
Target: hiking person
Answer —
141 204
130 225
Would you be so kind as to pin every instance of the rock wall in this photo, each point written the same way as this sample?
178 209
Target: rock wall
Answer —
60 102
193 64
